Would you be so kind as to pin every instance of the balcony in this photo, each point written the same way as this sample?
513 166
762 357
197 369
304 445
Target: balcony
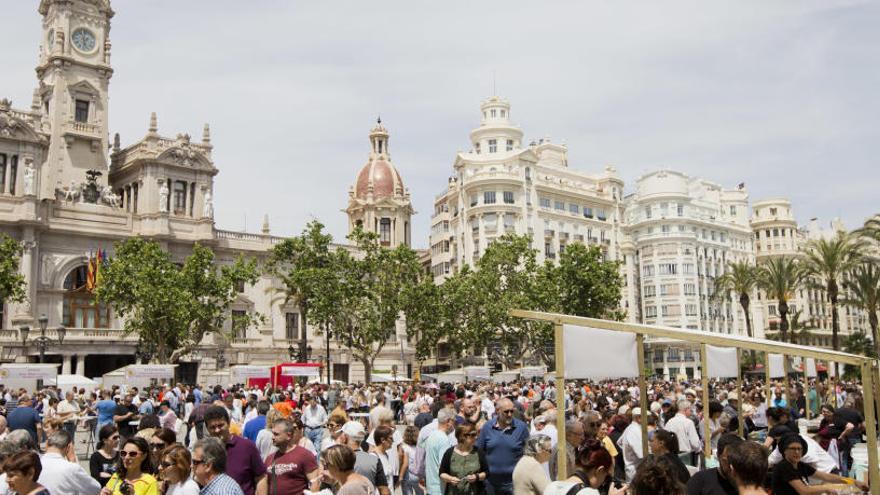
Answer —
510 228
563 236
549 232
551 256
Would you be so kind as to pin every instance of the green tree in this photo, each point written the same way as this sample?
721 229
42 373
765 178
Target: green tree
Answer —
827 261
864 285
13 286
305 265
871 229
779 277
741 279
585 284
424 310
857 343
172 307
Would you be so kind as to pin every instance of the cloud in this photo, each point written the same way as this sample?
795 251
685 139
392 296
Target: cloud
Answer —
780 95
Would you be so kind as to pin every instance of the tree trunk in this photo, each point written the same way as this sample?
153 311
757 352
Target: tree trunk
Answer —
368 369
783 319
835 317
744 302
872 320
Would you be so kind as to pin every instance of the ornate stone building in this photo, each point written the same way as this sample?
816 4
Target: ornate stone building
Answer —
65 197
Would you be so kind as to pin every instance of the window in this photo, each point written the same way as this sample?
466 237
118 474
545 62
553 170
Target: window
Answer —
733 210
2 173
669 290
477 147
192 197
528 173
510 145
600 214
544 202
80 309
588 212
690 309
489 197
664 229
493 143
493 113
573 208
81 113
239 324
668 268
548 250
651 311
508 197
385 231
648 270
239 286
690 289
13 170
474 200
771 309
680 209
650 291
647 212
775 232
291 326
134 201
773 211
179 197
559 205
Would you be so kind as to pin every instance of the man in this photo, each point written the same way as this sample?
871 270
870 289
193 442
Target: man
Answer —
684 429
424 417
67 411
502 439
468 413
716 481
209 468
253 427
146 406
435 446
60 476
314 416
367 465
748 467
167 418
291 469
848 425
197 394
25 417
574 438
731 410
630 443
591 420
242 457
123 416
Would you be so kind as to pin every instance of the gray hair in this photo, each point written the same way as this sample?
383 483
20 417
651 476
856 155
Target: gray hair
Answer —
684 404
20 440
213 453
445 415
59 439
536 444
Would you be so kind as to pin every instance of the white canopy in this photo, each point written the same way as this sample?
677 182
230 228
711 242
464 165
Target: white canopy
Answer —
65 382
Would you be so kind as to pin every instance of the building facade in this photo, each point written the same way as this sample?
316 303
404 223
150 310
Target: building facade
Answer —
64 197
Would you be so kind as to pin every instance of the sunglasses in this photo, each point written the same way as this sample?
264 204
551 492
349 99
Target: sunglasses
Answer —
128 453
470 435
157 446
509 411
196 462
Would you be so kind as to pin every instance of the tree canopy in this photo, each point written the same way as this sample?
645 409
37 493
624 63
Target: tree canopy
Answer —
13 286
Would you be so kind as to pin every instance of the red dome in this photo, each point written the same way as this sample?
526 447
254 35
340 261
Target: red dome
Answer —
385 179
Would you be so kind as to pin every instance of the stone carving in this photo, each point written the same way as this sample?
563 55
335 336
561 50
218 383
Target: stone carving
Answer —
29 176
8 123
163 198
91 191
184 152
47 265
209 205
110 197
70 192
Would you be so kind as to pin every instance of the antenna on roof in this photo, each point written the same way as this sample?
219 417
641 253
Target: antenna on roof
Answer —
494 88
379 120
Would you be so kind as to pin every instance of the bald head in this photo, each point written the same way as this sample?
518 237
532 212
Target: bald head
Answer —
504 409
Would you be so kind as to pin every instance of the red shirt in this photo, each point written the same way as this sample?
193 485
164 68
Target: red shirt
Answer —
290 471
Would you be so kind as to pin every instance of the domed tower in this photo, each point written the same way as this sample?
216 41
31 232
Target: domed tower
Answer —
378 201
497 133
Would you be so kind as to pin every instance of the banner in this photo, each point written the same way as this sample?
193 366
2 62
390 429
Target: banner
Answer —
810 369
721 362
241 373
595 353
301 370
150 371
777 369
533 372
477 373
28 372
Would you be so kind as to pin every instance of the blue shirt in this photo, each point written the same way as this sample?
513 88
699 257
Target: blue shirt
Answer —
503 448
435 446
24 418
197 395
105 409
253 427
146 408
222 484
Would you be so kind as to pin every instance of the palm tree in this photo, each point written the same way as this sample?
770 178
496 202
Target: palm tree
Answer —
827 261
800 332
740 278
871 230
780 276
864 285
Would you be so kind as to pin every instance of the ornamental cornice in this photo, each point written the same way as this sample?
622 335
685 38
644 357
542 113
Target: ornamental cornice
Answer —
180 152
14 124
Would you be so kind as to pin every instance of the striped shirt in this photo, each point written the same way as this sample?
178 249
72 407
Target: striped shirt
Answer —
222 484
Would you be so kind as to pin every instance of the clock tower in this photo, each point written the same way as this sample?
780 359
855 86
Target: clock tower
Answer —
74 74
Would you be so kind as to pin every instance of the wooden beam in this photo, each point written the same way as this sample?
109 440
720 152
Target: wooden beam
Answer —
869 388
561 450
716 339
707 421
740 421
767 379
643 392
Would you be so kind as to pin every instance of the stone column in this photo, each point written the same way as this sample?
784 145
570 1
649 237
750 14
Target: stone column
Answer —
65 364
81 365
24 311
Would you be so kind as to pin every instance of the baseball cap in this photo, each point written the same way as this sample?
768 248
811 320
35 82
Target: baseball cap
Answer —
353 428
637 411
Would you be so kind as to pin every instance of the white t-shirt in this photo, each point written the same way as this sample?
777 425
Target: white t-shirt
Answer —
188 487
562 488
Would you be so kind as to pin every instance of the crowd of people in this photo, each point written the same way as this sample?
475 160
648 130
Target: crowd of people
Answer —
450 439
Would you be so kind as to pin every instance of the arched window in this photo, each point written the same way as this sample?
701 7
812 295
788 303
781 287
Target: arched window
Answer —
80 309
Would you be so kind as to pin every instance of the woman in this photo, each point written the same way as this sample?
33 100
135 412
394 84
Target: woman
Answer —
715 429
161 439
264 437
133 470
148 425
463 468
592 468
656 476
529 476
825 435
790 476
22 471
664 444
102 464
174 471
602 436
383 436
338 460
411 463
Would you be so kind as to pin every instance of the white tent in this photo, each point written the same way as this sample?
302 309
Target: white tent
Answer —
66 382
451 376
385 377
505 376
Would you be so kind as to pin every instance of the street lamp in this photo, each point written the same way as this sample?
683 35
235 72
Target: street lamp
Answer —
42 341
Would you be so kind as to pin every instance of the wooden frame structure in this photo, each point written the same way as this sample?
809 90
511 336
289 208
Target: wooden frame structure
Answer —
869 368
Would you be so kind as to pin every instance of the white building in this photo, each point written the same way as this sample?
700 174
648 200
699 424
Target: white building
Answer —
63 196
503 186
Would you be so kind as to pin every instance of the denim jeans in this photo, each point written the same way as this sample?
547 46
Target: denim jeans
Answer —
315 435
410 485
499 487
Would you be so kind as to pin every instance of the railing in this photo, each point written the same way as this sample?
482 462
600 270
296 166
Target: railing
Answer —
85 127
244 236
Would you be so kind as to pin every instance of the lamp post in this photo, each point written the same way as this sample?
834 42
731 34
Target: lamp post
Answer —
42 341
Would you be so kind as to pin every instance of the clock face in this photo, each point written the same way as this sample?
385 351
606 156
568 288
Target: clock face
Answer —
83 40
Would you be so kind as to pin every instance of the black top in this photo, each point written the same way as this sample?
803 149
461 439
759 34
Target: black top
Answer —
710 482
846 415
785 472
98 464
126 430
683 474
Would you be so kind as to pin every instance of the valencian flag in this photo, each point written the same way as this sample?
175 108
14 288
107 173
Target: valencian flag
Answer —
90 275
94 277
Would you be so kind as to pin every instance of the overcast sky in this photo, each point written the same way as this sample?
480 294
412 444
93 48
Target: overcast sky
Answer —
779 95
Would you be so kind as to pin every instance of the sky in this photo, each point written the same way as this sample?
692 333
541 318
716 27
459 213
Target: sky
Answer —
780 95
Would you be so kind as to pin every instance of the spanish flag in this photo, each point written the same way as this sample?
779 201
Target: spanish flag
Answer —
90 276
99 277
